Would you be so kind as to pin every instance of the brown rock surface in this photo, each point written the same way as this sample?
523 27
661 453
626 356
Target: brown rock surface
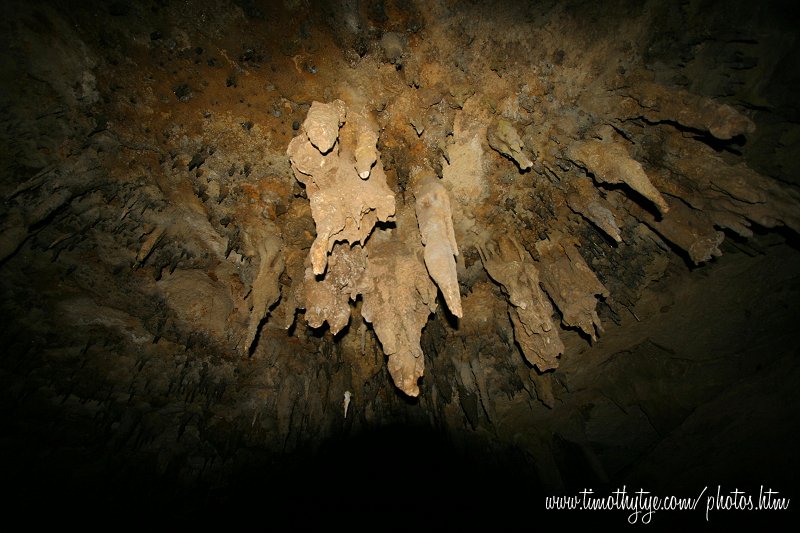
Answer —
531 312
435 221
214 224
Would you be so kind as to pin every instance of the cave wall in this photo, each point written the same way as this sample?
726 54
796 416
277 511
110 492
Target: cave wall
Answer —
185 303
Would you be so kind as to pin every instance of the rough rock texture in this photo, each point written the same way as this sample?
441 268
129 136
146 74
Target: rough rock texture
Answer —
322 124
732 195
571 284
202 201
531 312
504 139
262 242
366 138
463 168
345 207
197 301
435 220
398 298
687 228
610 162
328 299
583 198
657 103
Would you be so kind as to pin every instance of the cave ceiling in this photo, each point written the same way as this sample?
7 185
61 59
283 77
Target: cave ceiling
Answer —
555 229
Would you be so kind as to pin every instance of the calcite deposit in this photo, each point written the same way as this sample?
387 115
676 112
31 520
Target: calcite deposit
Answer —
345 207
348 195
261 243
321 126
641 96
503 138
584 198
571 284
609 161
366 152
399 297
435 220
328 299
531 313
220 219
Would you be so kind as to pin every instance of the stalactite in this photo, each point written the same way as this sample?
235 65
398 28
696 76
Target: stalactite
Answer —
398 298
345 207
435 220
531 313
570 282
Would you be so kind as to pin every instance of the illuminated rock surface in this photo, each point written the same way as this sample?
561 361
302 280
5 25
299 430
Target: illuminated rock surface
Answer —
540 246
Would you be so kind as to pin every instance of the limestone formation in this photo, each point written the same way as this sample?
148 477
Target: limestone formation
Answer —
463 167
328 299
531 312
366 152
687 228
398 298
435 221
344 206
609 162
217 236
153 235
347 396
260 240
198 301
731 195
583 198
658 103
322 124
571 284
503 138
348 195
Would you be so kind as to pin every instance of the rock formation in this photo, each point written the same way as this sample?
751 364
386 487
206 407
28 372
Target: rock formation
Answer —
641 97
550 241
328 299
610 162
504 139
397 292
531 313
571 284
322 124
435 221
399 297
366 153
584 198
345 207
260 241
